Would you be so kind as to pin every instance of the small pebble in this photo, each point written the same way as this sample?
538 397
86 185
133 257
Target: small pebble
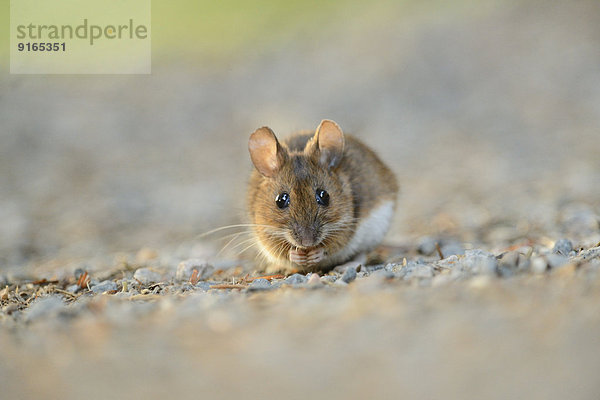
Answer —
479 262
563 246
187 267
382 275
11 308
589 254
259 284
329 278
147 276
202 285
45 307
349 274
315 280
539 265
512 262
104 286
295 279
452 249
73 288
427 246
556 260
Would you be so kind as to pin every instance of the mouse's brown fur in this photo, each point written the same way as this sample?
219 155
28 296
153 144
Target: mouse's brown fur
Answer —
307 235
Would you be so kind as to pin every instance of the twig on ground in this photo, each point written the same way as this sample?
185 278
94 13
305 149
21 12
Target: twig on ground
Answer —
267 277
439 250
228 286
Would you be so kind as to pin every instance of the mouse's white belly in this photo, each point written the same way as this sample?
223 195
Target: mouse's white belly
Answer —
369 232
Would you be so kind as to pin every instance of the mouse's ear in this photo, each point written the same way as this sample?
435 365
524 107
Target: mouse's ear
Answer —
330 142
265 151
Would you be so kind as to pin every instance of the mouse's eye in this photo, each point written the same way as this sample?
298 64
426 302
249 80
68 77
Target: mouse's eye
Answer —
282 200
322 197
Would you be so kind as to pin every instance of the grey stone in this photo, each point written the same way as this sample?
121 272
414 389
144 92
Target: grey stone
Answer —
330 278
449 262
186 286
349 274
479 262
45 307
405 270
202 285
426 246
563 246
147 276
382 275
539 265
589 254
276 284
397 267
259 284
371 268
187 267
452 249
73 288
511 263
556 260
314 281
296 279
104 286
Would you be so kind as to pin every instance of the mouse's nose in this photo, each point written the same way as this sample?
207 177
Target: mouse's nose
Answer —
306 242
306 236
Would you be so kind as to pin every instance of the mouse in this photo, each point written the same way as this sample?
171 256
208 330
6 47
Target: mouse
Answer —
317 199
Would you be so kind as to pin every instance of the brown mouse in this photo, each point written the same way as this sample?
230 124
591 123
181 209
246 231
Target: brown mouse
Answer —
317 200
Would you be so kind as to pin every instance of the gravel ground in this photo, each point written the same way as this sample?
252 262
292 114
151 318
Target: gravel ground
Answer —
488 285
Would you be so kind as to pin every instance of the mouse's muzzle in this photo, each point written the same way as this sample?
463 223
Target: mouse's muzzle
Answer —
305 235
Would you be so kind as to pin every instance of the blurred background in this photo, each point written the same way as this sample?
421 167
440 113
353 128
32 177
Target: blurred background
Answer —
488 112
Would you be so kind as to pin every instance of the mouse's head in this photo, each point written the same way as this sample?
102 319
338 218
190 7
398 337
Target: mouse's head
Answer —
301 200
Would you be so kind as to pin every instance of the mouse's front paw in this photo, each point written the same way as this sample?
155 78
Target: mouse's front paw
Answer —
315 256
298 256
307 257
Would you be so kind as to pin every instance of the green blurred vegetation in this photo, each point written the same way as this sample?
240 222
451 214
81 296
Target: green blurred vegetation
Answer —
226 29
220 29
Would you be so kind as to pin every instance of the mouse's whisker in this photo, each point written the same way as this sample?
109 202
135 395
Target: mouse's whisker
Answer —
281 252
242 243
235 234
248 247
226 245
232 227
